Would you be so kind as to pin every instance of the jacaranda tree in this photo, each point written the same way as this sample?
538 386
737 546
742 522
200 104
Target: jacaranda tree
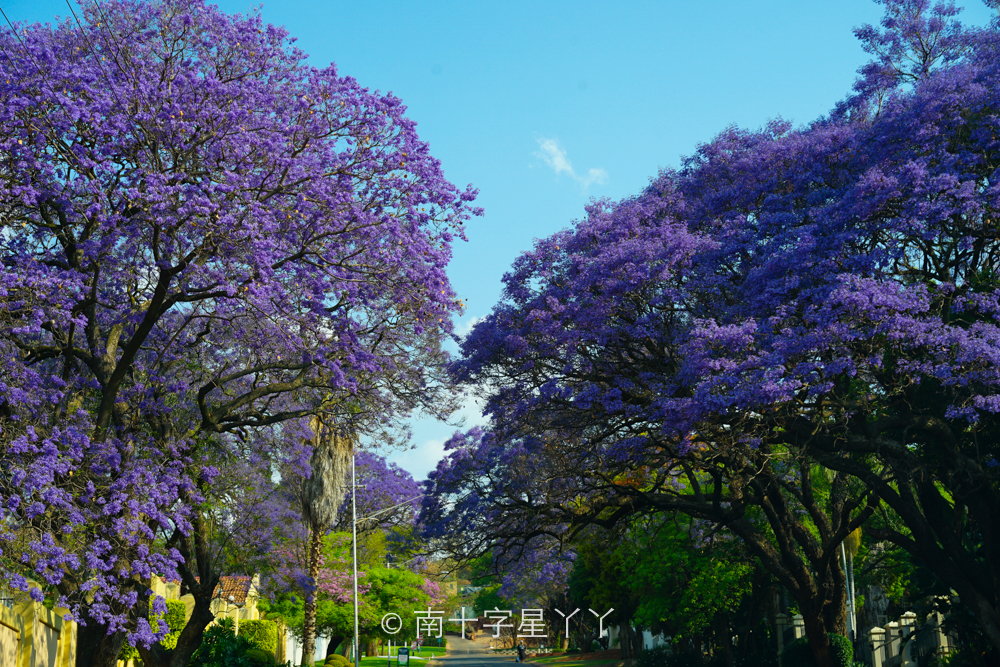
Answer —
790 297
201 236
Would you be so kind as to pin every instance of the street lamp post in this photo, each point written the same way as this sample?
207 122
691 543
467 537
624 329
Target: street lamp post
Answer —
354 532
354 559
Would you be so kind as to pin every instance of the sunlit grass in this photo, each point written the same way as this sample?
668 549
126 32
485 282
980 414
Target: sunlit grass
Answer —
426 653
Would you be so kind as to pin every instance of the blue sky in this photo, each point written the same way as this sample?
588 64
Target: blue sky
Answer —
544 105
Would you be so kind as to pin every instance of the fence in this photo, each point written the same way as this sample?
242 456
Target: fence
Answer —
901 643
904 643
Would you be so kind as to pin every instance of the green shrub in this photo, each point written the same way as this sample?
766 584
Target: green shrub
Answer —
260 655
798 653
226 624
262 634
175 617
221 648
336 660
651 657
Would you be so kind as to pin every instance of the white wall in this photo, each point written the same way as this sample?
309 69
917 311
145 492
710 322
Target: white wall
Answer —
293 649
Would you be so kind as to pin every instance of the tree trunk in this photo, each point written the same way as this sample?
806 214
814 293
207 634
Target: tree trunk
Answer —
723 635
191 635
335 641
819 640
625 640
309 615
95 647
982 609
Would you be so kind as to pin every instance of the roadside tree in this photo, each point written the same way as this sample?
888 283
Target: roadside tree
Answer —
790 297
201 236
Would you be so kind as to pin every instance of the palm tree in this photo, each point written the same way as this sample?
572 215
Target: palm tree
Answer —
321 496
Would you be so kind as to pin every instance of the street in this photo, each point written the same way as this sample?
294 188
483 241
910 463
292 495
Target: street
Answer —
467 653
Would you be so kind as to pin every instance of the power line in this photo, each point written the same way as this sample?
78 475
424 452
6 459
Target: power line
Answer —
68 155
107 78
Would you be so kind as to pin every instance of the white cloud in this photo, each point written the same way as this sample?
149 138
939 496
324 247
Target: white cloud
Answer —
553 154
420 460
464 327
424 457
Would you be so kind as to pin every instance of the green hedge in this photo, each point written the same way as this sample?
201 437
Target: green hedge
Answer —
798 653
336 660
260 656
175 617
262 634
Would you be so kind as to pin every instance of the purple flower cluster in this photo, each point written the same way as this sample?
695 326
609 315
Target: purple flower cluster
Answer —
202 238
828 291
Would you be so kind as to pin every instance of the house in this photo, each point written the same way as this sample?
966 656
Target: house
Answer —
236 597
32 635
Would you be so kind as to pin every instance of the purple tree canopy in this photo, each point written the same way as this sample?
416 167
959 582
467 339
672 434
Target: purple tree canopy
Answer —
388 496
200 235
829 292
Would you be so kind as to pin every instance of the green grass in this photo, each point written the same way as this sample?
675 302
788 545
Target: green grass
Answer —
426 652
555 660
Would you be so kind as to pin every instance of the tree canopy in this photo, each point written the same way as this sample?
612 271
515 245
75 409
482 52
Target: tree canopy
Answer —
202 237
789 297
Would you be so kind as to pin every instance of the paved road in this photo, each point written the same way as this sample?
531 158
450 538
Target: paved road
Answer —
465 653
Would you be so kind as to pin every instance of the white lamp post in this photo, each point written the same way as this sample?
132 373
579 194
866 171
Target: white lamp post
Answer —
354 564
354 532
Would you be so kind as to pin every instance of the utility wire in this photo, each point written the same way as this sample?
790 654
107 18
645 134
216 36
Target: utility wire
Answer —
107 78
122 51
54 138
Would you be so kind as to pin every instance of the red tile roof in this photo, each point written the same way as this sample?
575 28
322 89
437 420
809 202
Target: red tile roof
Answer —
237 586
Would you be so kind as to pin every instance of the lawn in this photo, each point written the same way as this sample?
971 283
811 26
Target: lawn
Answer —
573 659
426 653
562 661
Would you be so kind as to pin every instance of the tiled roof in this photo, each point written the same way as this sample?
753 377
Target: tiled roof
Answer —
237 586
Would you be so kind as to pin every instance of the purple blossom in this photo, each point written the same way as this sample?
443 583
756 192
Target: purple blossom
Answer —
201 243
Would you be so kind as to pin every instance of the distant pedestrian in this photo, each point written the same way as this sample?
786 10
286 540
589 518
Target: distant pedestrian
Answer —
522 652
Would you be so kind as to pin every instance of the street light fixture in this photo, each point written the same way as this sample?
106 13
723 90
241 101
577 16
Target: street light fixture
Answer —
354 534
354 531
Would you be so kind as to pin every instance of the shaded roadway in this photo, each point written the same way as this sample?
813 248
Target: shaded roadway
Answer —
467 653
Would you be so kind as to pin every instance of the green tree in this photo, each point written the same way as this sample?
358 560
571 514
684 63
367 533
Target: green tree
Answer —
381 591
